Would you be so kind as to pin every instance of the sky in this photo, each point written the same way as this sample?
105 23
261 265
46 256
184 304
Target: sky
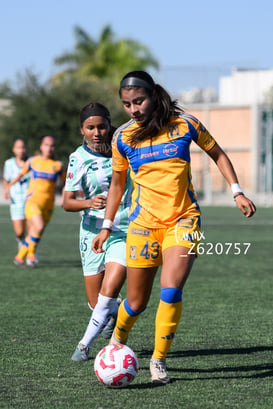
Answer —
195 42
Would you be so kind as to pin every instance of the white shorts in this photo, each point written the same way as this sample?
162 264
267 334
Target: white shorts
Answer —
115 250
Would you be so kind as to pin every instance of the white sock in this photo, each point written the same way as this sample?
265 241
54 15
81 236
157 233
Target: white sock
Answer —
104 309
20 241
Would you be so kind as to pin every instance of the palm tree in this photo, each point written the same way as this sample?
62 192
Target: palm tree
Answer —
103 59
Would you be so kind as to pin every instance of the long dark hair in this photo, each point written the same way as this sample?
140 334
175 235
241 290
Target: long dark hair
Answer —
164 106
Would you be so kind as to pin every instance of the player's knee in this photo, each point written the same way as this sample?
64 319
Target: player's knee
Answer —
134 308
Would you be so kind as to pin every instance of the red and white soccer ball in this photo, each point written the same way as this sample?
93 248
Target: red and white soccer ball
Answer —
116 365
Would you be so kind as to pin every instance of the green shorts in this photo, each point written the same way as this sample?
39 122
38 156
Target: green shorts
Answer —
115 250
17 211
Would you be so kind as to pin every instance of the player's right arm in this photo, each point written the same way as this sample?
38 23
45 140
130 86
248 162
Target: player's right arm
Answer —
24 171
70 198
6 189
72 204
7 185
113 201
6 179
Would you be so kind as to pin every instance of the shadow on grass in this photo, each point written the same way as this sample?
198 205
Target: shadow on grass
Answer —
263 370
146 385
229 372
43 263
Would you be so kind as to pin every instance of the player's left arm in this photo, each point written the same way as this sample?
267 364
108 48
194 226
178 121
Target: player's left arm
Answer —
15 180
225 166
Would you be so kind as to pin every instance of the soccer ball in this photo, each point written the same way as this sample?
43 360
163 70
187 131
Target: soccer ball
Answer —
116 365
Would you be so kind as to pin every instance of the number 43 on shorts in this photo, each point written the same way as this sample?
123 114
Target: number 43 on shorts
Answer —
150 251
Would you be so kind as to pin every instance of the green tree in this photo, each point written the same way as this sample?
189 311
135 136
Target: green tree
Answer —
107 58
93 72
39 110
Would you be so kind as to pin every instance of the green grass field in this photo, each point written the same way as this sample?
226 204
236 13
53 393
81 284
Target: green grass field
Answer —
222 356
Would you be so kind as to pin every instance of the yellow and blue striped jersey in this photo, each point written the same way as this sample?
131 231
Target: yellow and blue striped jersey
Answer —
44 176
161 173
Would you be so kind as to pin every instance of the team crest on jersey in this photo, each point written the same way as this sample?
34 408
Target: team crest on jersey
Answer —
140 232
174 130
132 253
93 167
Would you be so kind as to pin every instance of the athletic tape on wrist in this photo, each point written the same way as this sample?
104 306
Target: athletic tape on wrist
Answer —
107 224
235 188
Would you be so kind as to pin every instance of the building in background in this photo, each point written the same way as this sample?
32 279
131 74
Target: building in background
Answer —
245 87
242 122
241 119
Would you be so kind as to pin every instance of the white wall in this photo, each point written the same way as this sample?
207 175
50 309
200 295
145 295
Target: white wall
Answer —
245 87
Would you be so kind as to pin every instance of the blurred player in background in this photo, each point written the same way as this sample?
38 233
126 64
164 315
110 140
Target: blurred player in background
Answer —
16 195
165 216
45 171
90 171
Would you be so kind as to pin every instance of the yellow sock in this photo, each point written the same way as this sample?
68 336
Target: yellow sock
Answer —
29 247
23 250
125 320
166 323
33 243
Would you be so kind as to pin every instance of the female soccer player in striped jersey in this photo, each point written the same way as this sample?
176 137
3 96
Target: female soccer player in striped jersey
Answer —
90 171
16 195
165 216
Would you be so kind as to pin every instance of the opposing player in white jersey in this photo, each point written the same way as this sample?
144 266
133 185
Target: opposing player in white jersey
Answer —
17 193
90 171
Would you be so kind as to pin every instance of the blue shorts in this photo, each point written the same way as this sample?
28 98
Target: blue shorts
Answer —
115 250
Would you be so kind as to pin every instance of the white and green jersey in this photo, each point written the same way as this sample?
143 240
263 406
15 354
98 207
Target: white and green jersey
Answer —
18 190
91 172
